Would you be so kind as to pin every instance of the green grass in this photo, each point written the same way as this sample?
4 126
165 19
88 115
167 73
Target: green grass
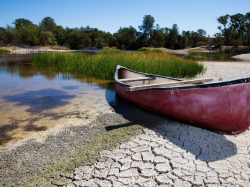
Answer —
104 65
149 50
5 51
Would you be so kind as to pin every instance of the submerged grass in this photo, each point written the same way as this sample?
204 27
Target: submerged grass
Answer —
5 51
104 65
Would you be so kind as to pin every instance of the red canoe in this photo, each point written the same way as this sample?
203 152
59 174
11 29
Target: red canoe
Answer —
222 106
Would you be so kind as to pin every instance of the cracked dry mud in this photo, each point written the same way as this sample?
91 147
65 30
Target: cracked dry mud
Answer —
171 155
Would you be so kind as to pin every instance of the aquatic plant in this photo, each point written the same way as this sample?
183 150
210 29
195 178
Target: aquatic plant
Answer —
104 65
5 51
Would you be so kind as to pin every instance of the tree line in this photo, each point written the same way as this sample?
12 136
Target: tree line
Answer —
235 31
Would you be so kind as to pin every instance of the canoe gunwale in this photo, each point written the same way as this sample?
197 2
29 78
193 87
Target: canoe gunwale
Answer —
203 85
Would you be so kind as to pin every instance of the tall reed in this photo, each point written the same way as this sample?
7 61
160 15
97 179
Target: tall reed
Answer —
104 65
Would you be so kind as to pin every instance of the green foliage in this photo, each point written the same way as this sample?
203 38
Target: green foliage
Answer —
29 34
147 24
47 24
4 51
46 37
126 38
104 65
99 43
21 23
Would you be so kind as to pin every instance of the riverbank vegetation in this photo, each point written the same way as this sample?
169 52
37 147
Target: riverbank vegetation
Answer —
4 51
234 31
104 65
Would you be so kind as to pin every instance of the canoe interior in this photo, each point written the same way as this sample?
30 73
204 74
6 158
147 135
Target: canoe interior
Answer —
126 74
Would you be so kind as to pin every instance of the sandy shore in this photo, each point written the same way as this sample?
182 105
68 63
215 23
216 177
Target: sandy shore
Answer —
226 70
155 152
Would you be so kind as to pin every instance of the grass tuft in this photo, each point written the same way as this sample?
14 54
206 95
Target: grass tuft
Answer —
104 65
5 51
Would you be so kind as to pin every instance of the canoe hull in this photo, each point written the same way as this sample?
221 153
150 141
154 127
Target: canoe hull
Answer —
222 109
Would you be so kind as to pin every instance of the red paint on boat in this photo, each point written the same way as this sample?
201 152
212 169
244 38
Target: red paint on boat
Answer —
222 109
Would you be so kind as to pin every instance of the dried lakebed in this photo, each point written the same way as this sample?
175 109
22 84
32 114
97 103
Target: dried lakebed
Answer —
120 145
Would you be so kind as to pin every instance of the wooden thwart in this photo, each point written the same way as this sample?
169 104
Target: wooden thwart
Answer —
168 84
135 79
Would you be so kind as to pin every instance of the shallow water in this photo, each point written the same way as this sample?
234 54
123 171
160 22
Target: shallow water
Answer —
34 99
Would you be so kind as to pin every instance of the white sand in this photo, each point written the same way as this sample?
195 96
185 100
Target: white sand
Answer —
226 70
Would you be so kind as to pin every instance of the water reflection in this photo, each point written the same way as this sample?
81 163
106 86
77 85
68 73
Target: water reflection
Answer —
40 100
36 99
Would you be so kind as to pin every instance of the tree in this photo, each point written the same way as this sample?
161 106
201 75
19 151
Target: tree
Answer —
247 28
195 37
126 37
60 35
238 21
29 34
172 39
146 27
201 32
21 23
224 21
157 37
2 33
47 24
99 43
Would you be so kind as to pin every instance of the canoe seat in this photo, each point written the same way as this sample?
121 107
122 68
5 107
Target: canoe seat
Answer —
136 79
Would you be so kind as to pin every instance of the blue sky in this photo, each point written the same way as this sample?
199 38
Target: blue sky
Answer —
110 15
